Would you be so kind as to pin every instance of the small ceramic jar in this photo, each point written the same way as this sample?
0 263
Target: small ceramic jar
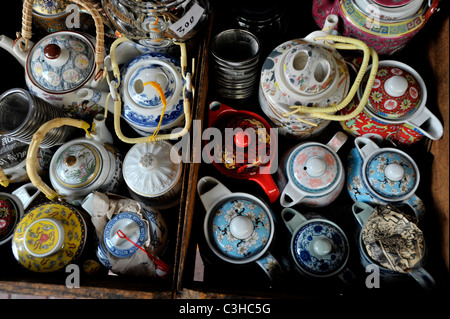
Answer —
11 211
396 109
315 174
404 243
84 165
49 237
319 247
152 172
383 176
238 227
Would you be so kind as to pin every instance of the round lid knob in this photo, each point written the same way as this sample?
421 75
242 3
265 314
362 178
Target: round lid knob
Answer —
396 93
322 246
52 51
391 174
241 227
44 237
314 168
394 172
396 86
241 139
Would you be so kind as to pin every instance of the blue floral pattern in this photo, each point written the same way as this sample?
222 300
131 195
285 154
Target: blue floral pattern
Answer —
229 244
320 265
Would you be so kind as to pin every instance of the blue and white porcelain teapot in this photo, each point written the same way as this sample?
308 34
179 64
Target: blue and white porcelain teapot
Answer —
238 227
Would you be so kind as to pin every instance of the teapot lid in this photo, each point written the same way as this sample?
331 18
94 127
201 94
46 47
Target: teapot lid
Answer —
391 174
240 152
320 247
240 228
396 93
152 169
77 164
314 168
392 239
50 7
129 224
307 69
393 3
49 237
61 62
10 214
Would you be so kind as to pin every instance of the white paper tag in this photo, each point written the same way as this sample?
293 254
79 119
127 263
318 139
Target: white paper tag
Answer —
188 21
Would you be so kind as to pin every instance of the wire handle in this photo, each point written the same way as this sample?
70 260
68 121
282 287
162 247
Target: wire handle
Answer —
161 265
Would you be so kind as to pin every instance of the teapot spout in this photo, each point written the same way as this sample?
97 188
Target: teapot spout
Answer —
97 97
8 44
330 24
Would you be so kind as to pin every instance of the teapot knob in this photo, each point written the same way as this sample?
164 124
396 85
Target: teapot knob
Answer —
315 166
396 86
70 160
52 51
322 247
241 227
242 139
394 172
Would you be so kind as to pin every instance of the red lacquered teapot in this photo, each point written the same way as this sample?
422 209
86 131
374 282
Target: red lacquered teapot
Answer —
247 146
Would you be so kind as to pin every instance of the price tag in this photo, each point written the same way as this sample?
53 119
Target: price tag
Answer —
188 21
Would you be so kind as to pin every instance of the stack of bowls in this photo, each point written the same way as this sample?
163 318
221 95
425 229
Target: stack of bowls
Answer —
235 55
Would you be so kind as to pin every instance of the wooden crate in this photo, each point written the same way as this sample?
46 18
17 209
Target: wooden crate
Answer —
16 280
203 276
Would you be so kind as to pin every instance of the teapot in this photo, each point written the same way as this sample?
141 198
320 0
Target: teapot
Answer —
50 235
249 152
314 172
385 25
157 24
309 76
391 240
150 83
80 166
61 63
318 246
129 233
383 176
238 227
51 15
396 109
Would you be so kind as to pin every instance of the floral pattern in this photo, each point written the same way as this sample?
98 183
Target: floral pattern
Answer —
306 258
224 239
78 165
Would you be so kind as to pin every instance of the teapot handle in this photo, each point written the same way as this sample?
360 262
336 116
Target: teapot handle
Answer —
365 147
26 34
295 219
427 124
433 6
34 146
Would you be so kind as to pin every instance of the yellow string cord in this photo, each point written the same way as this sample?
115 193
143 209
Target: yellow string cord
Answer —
346 44
118 102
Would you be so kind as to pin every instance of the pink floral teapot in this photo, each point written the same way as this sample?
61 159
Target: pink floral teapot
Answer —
385 25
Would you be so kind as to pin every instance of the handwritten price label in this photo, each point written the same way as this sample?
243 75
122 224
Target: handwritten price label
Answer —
188 21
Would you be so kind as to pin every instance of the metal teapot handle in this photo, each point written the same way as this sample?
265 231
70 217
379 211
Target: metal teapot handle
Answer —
27 15
34 146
